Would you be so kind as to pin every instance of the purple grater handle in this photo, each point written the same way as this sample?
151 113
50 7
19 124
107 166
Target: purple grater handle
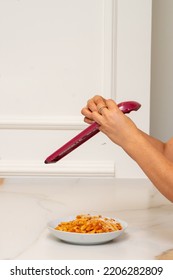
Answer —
90 131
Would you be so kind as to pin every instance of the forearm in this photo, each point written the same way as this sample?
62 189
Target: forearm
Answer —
154 164
159 145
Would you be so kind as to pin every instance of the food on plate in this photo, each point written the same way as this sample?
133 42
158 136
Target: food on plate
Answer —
90 224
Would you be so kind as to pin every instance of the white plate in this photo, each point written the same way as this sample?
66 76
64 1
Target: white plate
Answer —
84 238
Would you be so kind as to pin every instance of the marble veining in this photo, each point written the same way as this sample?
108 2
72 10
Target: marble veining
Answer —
28 204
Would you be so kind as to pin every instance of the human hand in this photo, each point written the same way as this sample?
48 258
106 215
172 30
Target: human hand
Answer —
118 127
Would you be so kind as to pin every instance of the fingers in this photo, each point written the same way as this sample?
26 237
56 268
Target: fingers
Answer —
108 106
112 107
89 121
111 104
93 105
87 114
90 117
98 107
96 102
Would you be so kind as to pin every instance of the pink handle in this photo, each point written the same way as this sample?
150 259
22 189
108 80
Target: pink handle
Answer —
90 131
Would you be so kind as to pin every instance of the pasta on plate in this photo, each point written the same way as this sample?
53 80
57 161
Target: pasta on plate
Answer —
90 224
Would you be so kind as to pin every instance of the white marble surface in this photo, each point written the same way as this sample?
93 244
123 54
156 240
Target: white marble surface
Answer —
28 204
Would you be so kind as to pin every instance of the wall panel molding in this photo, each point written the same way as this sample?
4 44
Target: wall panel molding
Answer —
66 169
43 123
70 122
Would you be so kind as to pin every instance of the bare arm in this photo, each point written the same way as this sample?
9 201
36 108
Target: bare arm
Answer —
155 164
153 156
165 148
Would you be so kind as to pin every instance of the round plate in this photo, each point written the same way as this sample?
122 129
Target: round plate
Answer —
84 238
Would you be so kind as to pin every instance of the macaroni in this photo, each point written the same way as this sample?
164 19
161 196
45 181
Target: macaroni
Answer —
90 224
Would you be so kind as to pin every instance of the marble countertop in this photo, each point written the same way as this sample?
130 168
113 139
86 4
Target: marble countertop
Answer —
28 204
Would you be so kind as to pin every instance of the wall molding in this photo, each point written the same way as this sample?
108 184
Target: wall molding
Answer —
110 48
66 169
14 168
108 83
43 123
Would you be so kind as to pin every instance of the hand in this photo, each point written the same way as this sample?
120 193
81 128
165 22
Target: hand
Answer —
118 127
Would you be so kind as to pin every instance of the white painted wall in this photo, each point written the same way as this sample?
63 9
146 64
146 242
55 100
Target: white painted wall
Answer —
133 69
56 54
162 70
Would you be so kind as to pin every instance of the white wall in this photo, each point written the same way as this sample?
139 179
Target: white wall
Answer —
162 70
54 56
133 69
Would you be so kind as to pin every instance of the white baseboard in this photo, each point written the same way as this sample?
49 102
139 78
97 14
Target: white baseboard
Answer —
65 169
